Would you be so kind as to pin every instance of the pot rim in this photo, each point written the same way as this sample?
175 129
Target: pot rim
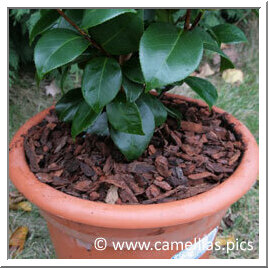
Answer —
134 216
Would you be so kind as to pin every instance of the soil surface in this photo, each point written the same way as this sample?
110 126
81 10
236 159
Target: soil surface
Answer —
180 161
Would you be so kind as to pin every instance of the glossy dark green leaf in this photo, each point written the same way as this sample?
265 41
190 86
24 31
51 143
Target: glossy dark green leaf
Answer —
84 117
43 11
212 45
124 116
149 16
120 35
205 36
87 55
175 113
132 70
164 15
226 63
75 15
168 55
68 105
179 14
56 48
204 89
44 23
169 87
100 126
131 145
93 17
101 82
132 90
178 83
229 34
157 108
214 36
215 48
64 72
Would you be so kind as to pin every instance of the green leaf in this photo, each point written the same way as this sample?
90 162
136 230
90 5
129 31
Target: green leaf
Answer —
121 35
178 83
164 15
226 63
87 55
215 48
43 11
101 82
167 55
132 70
179 13
210 44
64 72
124 116
131 145
132 90
75 15
229 34
68 105
56 48
93 17
173 112
214 36
84 117
204 89
157 108
205 36
149 16
100 126
45 22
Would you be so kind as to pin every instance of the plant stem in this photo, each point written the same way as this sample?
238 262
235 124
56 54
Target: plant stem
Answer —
187 19
161 95
83 33
197 19
167 88
62 91
180 19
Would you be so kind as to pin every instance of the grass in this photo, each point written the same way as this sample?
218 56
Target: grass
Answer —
38 244
240 100
243 102
25 100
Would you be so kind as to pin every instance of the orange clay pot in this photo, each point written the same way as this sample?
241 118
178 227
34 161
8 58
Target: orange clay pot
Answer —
74 223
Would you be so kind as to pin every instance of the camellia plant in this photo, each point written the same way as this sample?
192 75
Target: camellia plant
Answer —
124 54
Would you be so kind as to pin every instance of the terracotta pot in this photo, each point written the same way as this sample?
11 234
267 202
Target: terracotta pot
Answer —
74 223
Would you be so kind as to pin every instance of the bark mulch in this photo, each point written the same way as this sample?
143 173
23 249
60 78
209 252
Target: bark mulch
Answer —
180 162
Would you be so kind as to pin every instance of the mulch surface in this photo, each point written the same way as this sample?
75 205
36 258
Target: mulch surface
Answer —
180 162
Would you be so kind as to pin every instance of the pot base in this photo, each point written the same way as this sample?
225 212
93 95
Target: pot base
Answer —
77 241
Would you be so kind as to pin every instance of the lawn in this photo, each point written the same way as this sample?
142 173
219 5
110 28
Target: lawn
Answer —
242 100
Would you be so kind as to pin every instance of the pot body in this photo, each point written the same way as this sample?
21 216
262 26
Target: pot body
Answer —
75 224
73 240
